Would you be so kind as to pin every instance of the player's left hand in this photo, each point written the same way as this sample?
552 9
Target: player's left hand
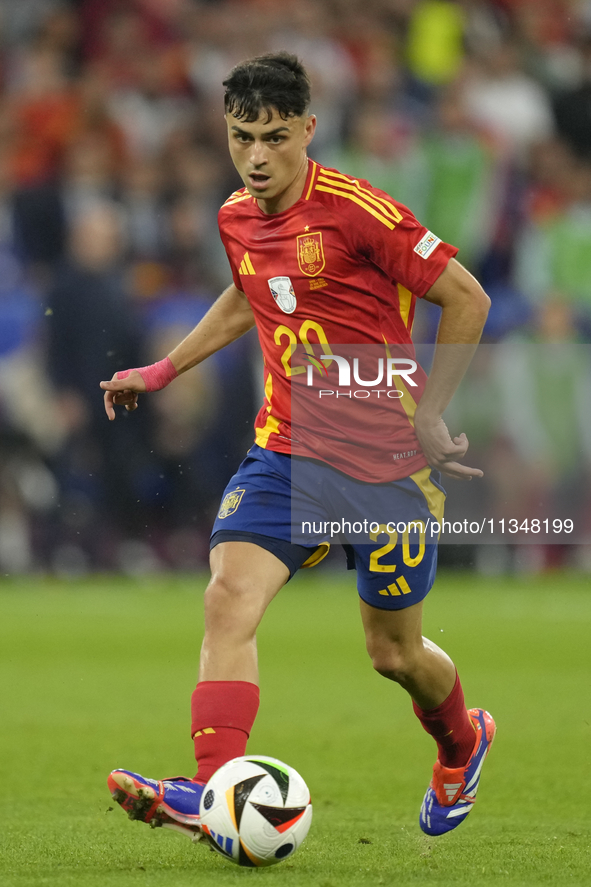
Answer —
440 450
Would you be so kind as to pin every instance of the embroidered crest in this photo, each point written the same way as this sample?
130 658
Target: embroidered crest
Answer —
310 253
283 293
230 503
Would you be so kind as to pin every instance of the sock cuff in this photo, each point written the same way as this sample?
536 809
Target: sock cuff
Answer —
224 704
441 708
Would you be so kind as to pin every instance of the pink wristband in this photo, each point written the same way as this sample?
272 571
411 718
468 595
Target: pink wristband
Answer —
156 376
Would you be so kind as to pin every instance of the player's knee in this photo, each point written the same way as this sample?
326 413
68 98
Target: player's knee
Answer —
231 601
225 593
392 660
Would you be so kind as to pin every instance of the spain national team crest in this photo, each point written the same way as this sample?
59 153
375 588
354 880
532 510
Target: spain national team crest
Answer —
230 503
311 253
283 292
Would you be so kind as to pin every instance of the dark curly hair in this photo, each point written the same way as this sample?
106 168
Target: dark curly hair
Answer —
274 81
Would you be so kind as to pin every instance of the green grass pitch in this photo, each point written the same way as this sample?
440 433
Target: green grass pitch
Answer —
97 674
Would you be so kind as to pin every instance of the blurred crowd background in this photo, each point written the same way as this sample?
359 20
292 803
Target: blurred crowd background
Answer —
113 164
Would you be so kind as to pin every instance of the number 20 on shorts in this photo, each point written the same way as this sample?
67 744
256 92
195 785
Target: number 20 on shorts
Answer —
374 560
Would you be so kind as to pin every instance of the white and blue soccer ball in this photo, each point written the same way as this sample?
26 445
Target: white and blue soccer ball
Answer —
256 811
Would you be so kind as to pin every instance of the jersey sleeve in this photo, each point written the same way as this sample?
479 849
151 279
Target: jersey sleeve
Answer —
394 240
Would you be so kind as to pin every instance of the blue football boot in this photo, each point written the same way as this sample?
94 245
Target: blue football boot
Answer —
172 803
452 792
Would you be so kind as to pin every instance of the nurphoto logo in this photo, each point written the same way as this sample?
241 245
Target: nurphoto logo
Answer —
388 370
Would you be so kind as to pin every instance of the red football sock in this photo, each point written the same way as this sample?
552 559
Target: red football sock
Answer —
450 726
222 715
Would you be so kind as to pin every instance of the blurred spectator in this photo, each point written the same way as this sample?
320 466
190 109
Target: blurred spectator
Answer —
573 108
202 427
143 201
546 417
220 35
501 98
306 31
465 181
89 173
92 333
42 108
27 404
115 33
199 187
553 261
146 109
547 189
435 47
30 430
385 149
374 51
21 20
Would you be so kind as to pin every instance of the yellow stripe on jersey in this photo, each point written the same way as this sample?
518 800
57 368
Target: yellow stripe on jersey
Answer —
272 424
237 193
246 266
408 403
236 197
312 177
268 391
388 208
434 497
360 202
237 200
404 301
263 434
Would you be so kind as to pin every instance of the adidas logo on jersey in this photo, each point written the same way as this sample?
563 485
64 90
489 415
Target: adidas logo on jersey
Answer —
246 266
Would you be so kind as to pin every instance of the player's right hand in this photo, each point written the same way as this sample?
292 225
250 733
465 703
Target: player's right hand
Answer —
123 392
441 451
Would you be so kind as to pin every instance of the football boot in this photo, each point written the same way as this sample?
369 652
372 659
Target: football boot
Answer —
170 803
452 791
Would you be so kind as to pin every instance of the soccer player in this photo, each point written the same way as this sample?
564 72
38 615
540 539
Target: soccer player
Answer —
320 258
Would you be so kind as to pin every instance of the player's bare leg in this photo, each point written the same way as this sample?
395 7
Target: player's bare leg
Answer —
399 652
244 580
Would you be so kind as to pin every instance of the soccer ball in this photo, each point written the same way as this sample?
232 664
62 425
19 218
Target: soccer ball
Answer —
255 811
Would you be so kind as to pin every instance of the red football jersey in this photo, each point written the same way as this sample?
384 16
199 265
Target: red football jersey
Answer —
341 267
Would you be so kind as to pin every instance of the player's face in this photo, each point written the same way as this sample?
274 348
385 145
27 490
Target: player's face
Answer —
270 156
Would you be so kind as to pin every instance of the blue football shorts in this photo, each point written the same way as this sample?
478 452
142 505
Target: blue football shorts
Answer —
296 508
